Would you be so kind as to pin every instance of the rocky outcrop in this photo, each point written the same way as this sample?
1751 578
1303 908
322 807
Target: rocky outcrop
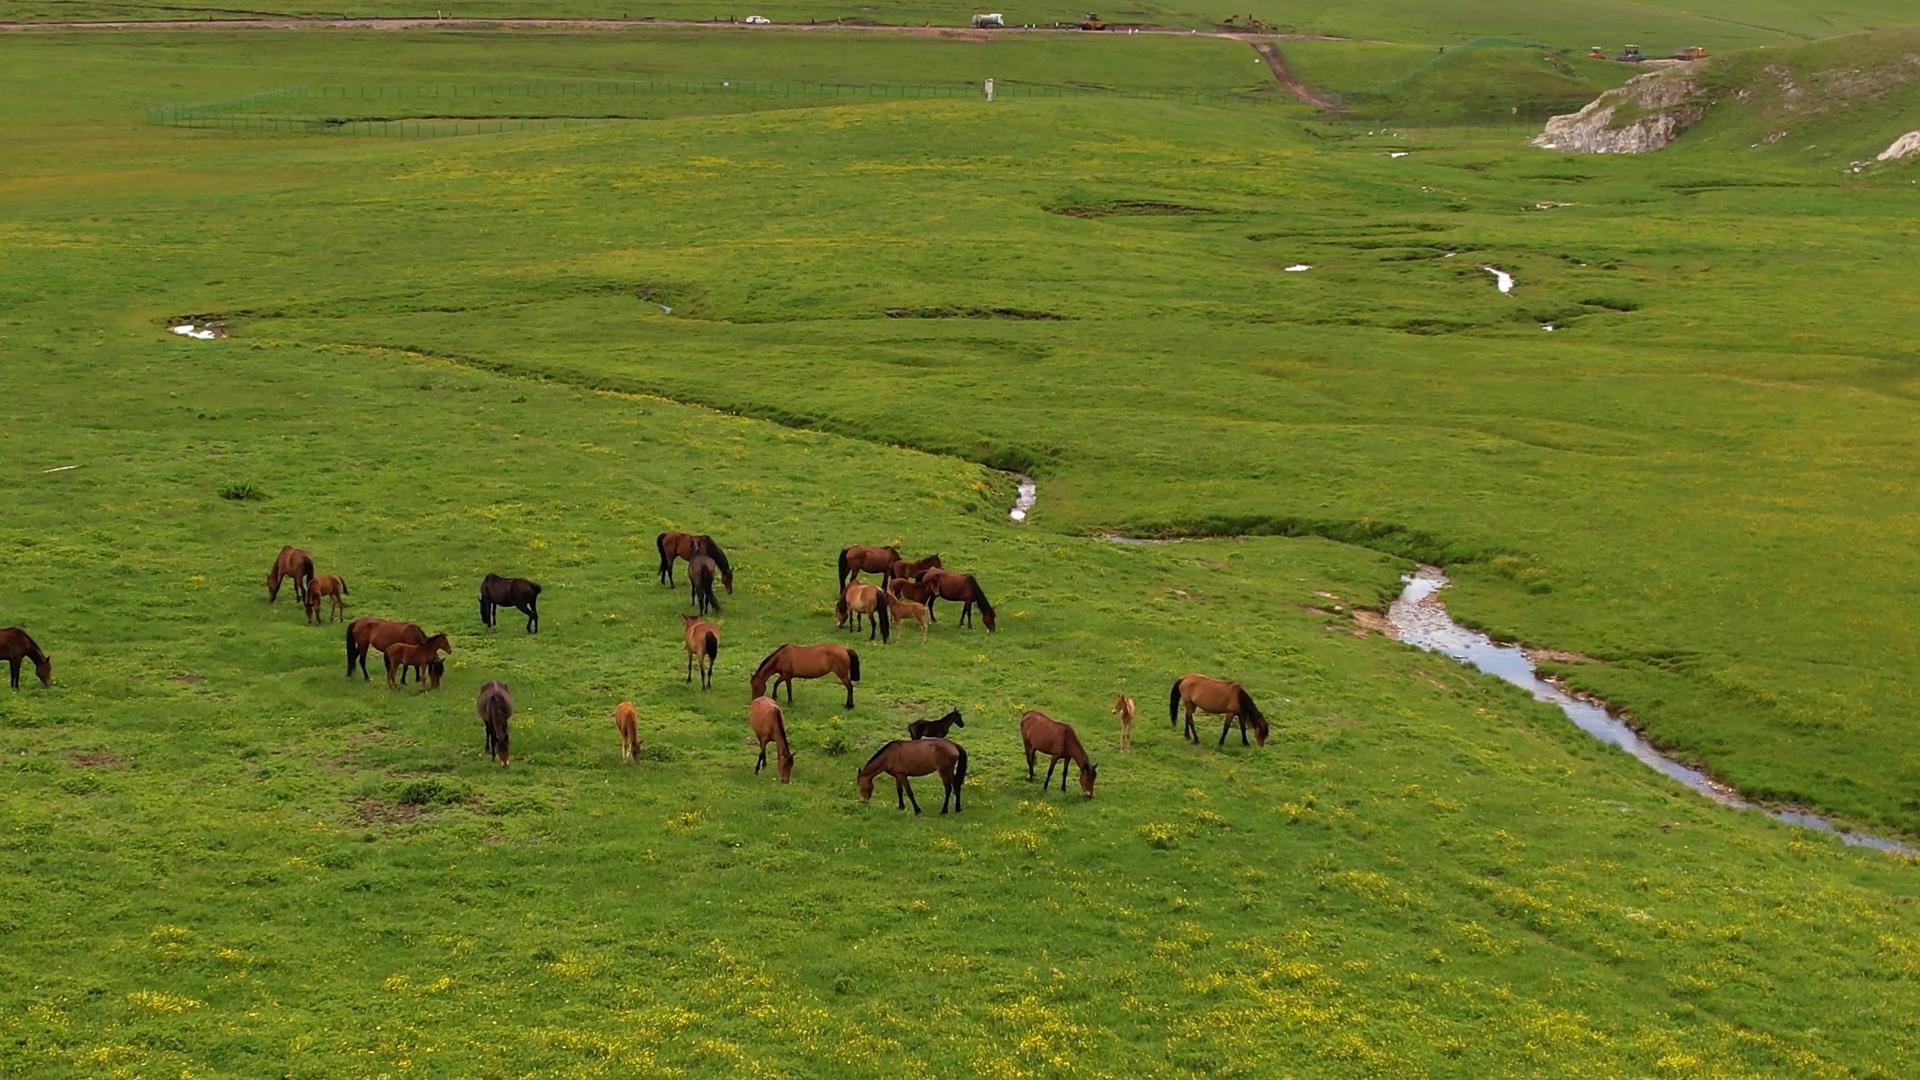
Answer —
1638 117
1902 146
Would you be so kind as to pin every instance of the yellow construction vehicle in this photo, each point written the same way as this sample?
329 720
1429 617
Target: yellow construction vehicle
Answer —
1691 52
1596 53
1092 22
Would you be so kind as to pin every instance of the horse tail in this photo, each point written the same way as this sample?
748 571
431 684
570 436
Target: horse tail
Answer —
350 656
960 767
535 586
886 622
980 597
660 542
343 585
1173 703
712 646
841 583
853 665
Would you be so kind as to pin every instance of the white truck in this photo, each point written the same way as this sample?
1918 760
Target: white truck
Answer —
989 22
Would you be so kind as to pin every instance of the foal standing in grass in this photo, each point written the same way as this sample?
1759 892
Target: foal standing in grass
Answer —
770 726
628 723
1123 708
331 586
702 641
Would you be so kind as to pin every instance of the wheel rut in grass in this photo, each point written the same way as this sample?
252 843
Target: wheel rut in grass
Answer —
1285 76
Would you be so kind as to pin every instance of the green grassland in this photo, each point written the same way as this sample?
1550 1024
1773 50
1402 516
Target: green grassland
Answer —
448 358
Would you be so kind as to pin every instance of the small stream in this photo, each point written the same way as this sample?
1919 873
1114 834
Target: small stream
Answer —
1418 619
1029 493
1501 279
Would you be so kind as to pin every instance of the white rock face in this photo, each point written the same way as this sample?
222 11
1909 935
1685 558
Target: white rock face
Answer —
1663 100
1902 146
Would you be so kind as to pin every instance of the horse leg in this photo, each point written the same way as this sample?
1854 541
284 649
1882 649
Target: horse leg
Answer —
1029 764
848 683
873 627
689 668
758 765
1224 728
13 676
533 616
946 783
1243 732
789 680
910 798
966 613
1048 782
899 793
706 675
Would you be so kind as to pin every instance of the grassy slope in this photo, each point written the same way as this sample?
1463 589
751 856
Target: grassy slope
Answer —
1424 873
1662 25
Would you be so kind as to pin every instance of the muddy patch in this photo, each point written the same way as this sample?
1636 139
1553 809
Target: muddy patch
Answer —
1130 208
369 811
191 678
99 759
974 313
1418 618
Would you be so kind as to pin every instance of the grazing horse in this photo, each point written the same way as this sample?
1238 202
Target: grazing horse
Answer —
702 639
326 585
16 646
902 758
1220 697
769 726
368 635
864 558
422 658
906 610
935 729
913 568
679 545
294 563
1123 708
912 589
627 722
499 592
861 599
495 705
790 662
948 585
1045 735
701 571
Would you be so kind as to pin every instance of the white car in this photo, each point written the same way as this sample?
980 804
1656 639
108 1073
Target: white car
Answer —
758 20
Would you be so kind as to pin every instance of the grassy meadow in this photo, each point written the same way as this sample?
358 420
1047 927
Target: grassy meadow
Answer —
449 357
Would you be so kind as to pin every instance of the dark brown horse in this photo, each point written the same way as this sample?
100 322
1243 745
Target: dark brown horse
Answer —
292 562
1042 734
935 729
702 640
679 545
422 658
16 646
913 568
790 662
495 705
701 570
948 585
1220 697
864 559
903 758
769 726
370 635
861 600
499 592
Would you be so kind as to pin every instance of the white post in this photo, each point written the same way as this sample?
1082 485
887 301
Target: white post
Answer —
989 89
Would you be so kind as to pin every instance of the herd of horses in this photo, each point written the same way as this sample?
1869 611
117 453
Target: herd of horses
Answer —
909 590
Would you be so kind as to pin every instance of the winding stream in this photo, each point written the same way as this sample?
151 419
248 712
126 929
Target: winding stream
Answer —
1418 619
1029 492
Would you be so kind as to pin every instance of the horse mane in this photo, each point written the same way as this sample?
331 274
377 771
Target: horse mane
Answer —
980 595
767 663
1248 709
1070 742
877 753
719 557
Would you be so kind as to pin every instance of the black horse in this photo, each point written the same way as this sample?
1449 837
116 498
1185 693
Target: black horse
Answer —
495 706
496 592
935 729
701 570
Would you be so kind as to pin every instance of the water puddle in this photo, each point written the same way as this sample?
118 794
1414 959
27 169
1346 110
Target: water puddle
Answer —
1501 278
1419 619
1023 502
200 332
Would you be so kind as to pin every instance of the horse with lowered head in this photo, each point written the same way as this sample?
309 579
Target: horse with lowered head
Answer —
790 662
1042 734
295 563
679 545
16 646
949 585
903 758
495 705
499 592
1220 697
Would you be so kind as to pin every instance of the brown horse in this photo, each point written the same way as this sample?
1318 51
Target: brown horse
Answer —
1220 697
1044 735
294 563
911 589
701 570
16 646
859 600
905 611
627 722
903 758
913 568
1123 708
769 726
790 662
495 705
326 585
702 640
370 635
935 729
864 559
402 655
679 545
948 585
